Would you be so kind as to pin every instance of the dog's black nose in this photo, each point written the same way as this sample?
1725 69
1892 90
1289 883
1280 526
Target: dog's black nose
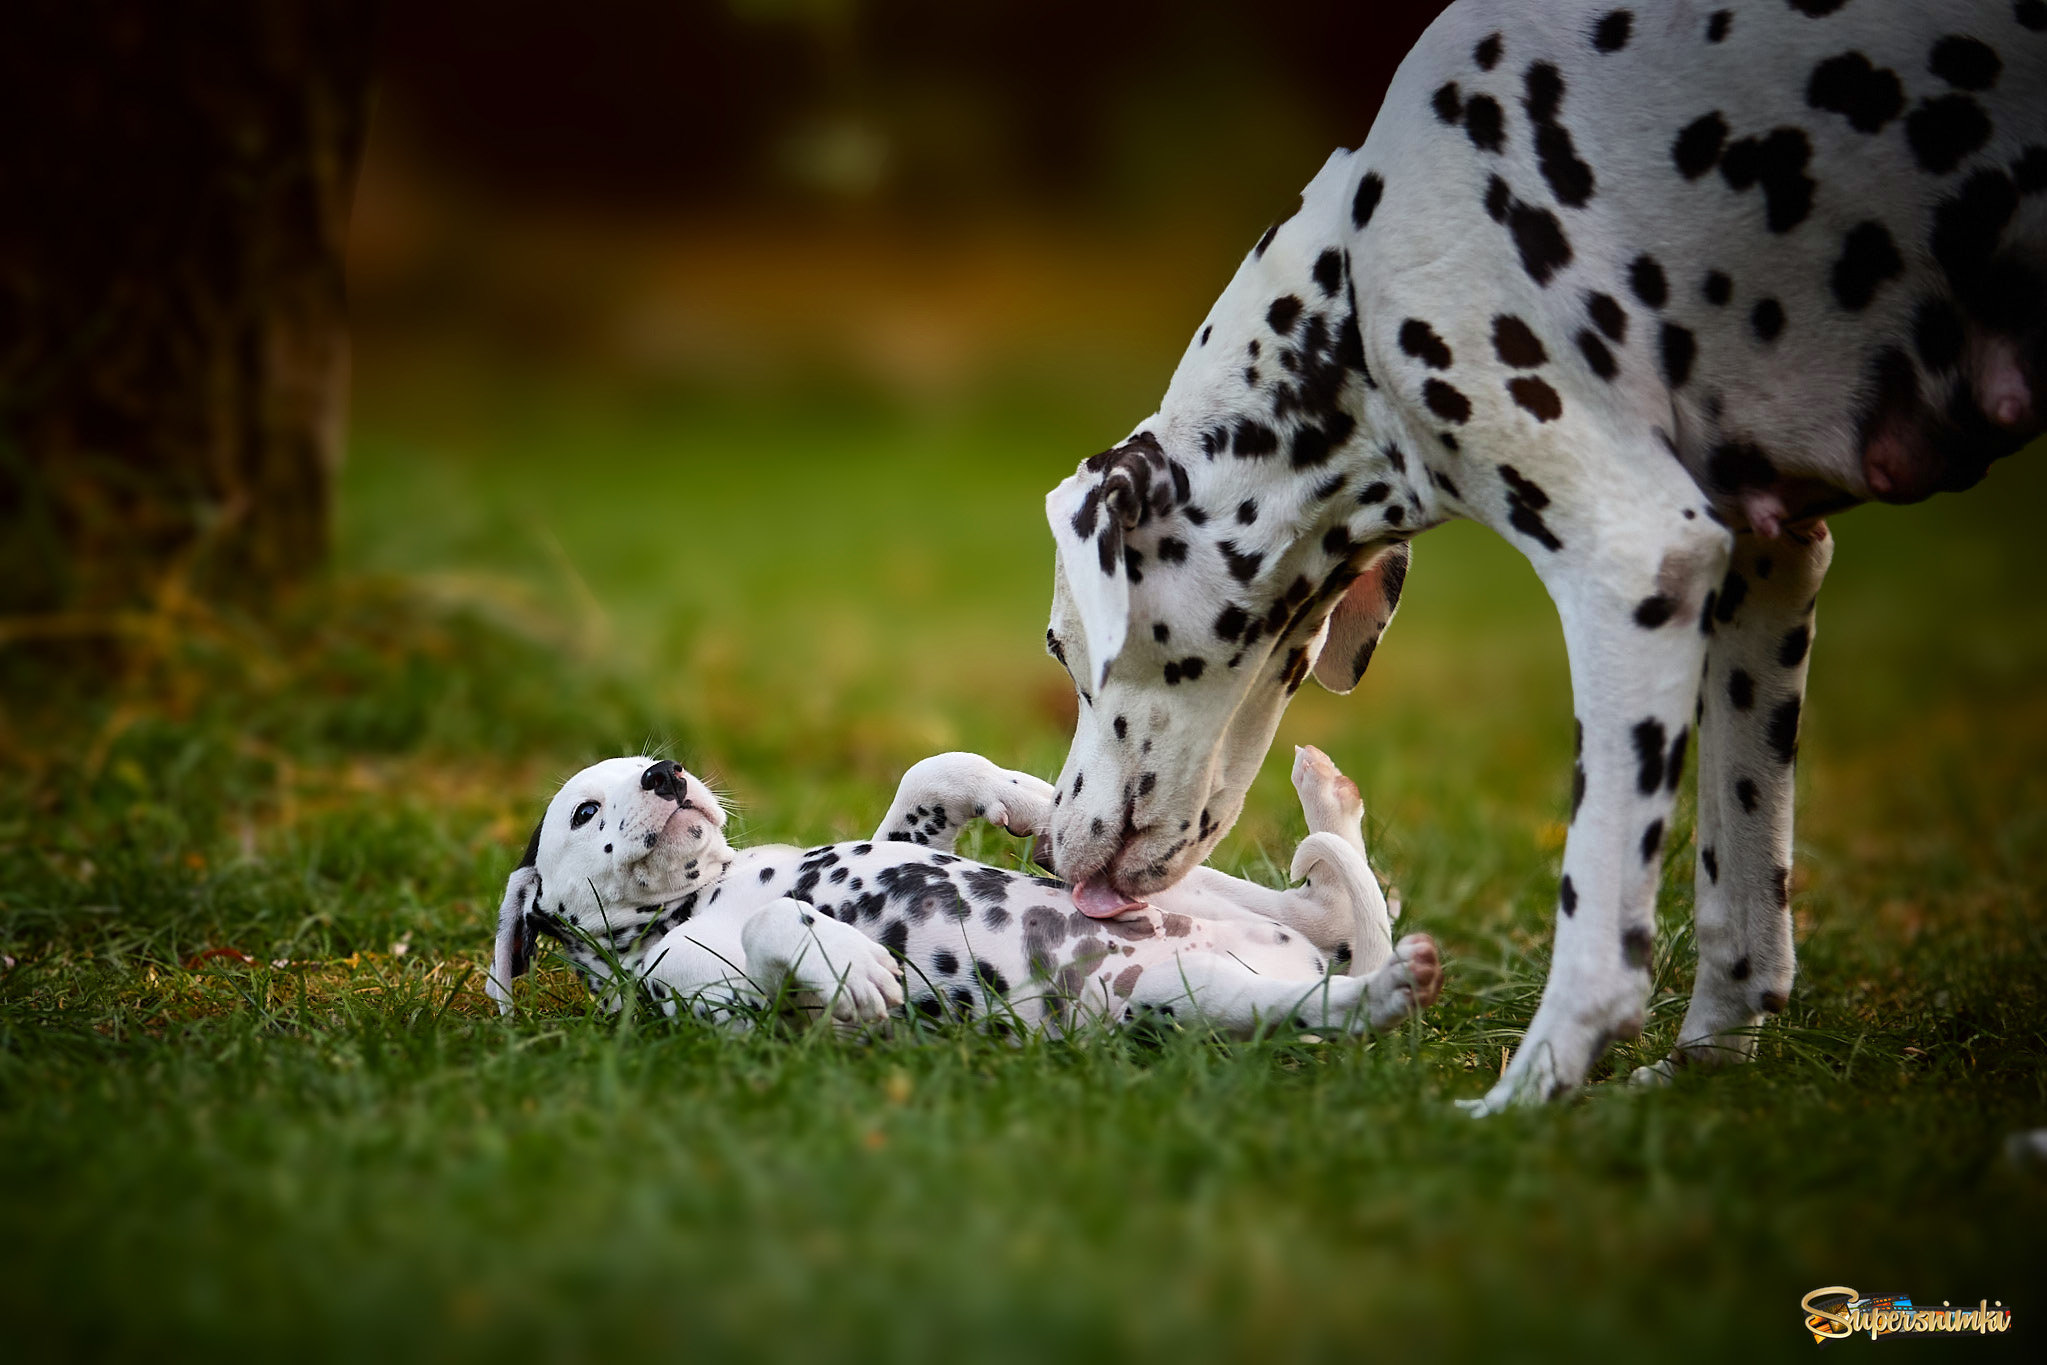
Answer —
664 779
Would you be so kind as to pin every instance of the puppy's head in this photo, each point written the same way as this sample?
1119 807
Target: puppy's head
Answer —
620 838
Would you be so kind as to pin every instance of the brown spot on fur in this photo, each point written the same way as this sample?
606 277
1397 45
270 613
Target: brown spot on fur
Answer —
1137 928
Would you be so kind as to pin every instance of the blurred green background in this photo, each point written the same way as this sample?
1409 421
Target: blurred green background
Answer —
711 364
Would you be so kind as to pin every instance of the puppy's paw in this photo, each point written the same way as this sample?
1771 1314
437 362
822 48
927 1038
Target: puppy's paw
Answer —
1329 801
860 980
1408 984
1021 804
873 986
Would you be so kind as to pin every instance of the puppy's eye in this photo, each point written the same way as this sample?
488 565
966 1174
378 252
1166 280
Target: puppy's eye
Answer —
585 813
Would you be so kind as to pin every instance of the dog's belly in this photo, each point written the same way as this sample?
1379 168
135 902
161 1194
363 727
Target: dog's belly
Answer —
987 941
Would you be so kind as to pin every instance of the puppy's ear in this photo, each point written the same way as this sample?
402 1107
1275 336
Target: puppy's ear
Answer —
1113 492
514 951
1360 617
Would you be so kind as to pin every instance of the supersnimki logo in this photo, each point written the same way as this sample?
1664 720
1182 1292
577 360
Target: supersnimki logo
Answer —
1838 1311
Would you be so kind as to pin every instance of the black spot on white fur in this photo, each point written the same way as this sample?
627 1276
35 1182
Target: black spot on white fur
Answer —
1516 343
1766 320
1525 502
1965 63
1570 179
1366 201
1535 397
1868 259
1867 95
1538 235
1419 340
1777 163
1946 129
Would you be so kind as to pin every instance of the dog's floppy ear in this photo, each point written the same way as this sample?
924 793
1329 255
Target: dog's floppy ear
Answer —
514 951
1113 492
1360 617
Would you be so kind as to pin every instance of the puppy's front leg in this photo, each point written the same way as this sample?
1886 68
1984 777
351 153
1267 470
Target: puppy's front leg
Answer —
789 944
940 795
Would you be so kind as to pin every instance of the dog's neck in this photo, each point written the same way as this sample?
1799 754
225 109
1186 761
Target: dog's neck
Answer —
1276 377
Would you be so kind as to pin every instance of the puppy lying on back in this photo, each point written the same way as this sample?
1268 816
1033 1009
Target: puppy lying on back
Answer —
629 871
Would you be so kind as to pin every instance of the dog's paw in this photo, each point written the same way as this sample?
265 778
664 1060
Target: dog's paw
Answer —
1654 1075
1408 984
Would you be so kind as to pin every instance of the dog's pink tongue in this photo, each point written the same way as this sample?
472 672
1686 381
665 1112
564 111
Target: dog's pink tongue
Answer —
1099 900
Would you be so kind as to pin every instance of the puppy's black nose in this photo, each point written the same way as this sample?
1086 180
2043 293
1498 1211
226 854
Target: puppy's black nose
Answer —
664 779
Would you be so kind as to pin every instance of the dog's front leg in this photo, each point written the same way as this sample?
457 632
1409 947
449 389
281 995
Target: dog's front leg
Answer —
1756 659
829 965
939 796
1629 573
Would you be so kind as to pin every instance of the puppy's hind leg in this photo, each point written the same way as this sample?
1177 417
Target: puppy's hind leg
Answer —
1336 878
1338 906
1221 991
1330 802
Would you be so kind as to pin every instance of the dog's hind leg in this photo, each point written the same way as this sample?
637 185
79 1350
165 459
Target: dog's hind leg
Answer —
939 796
1762 632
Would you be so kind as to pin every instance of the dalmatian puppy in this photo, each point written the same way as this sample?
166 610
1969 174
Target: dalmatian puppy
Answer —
1649 289
629 871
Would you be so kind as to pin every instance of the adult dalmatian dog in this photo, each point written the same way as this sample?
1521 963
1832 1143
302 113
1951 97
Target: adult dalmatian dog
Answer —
1649 289
629 871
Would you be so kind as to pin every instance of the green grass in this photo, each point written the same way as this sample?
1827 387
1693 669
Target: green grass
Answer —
350 1155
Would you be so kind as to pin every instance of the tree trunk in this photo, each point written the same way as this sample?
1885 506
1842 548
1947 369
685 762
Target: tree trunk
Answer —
175 179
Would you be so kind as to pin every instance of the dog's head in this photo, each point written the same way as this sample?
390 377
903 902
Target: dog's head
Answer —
1236 544
618 840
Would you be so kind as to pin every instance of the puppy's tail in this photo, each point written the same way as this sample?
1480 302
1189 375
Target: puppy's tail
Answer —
1372 943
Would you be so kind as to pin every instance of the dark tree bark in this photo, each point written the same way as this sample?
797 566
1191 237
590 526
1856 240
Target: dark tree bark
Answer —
174 192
